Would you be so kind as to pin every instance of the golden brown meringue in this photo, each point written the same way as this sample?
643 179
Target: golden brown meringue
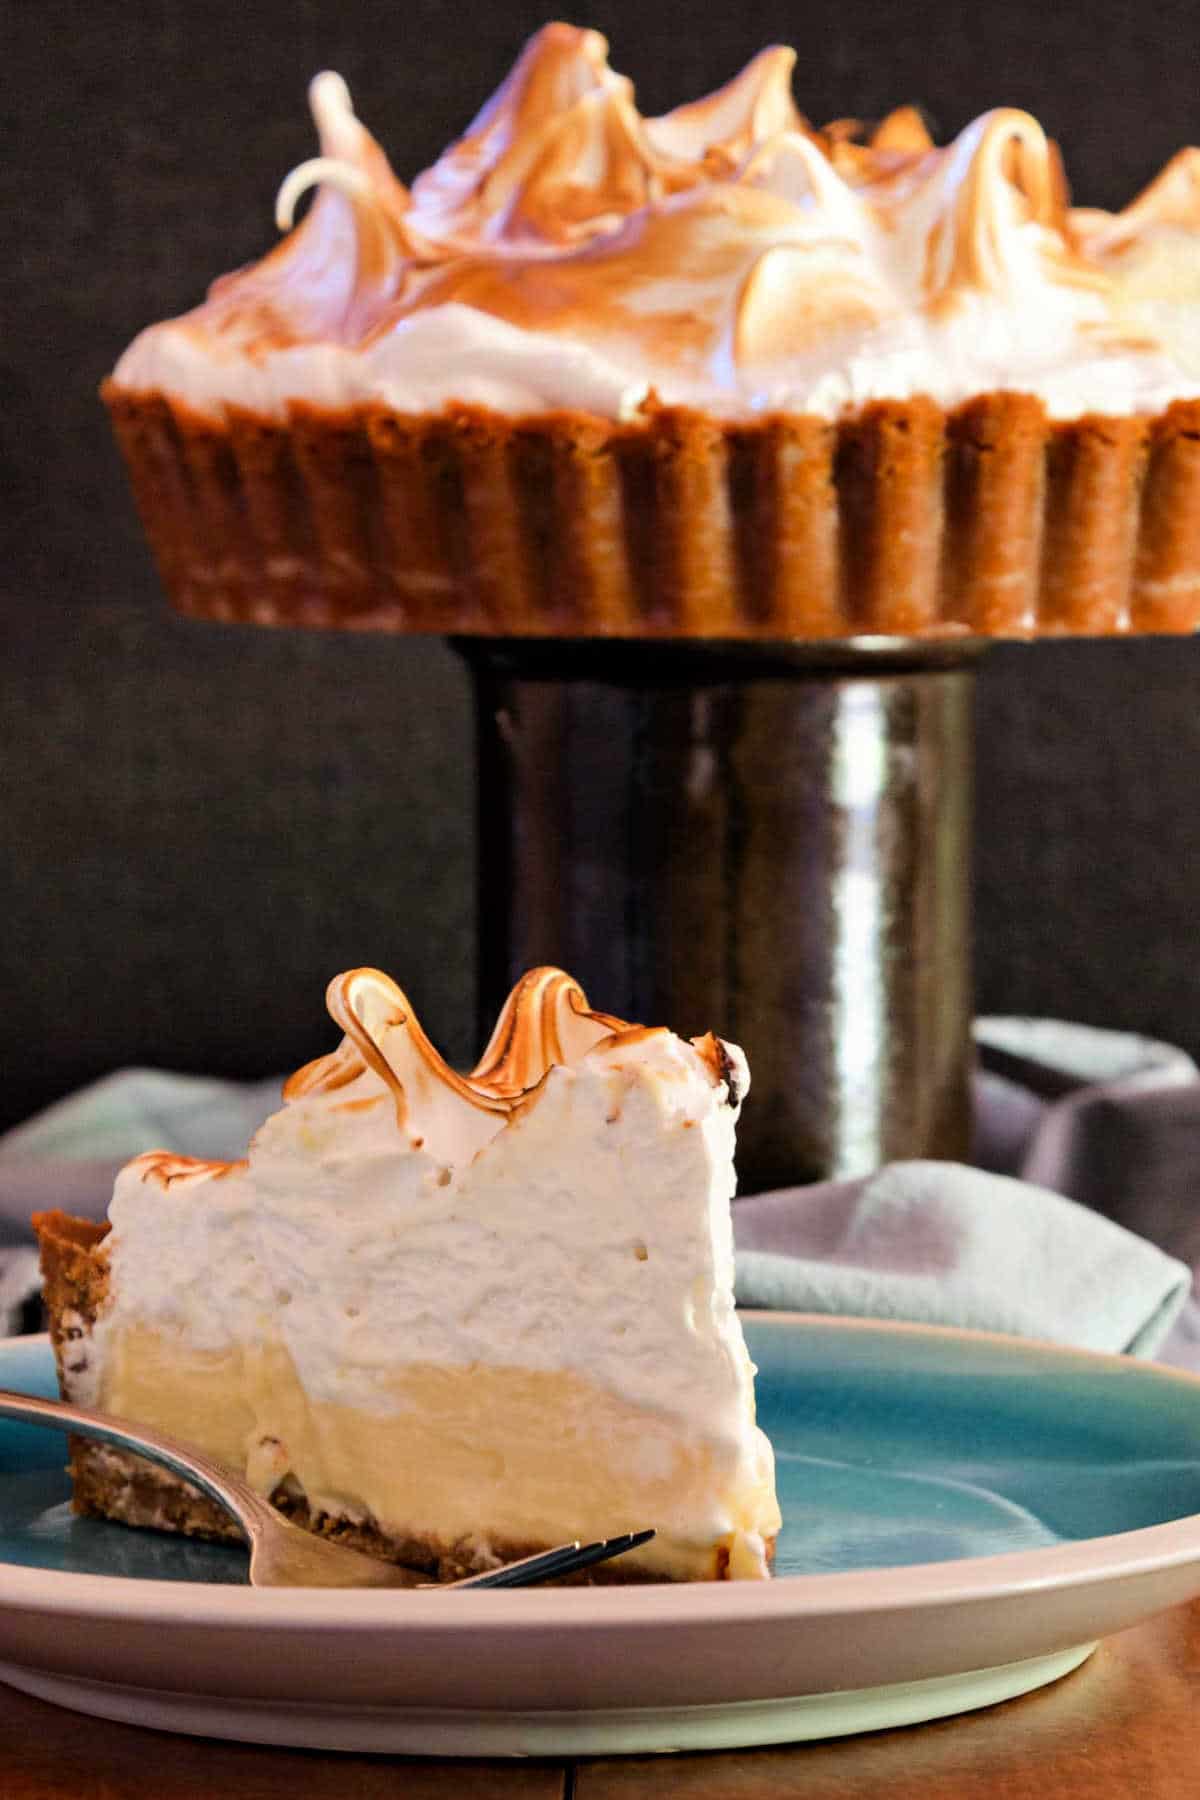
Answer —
568 251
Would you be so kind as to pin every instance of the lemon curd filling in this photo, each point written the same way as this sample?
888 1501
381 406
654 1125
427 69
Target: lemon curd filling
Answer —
539 1456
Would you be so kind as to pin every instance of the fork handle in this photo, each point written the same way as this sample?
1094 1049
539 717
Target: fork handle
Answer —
234 1496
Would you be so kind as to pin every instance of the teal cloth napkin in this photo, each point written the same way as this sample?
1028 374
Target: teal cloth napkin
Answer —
942 1244
1078 1224
144 1109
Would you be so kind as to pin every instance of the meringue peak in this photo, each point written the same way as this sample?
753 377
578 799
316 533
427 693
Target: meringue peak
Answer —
567 250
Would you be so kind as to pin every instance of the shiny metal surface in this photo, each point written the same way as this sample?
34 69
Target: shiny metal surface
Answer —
777 848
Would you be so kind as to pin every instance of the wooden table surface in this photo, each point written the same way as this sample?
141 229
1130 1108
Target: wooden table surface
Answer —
1126 1726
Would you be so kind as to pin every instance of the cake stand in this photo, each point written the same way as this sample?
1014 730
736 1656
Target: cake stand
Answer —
770 839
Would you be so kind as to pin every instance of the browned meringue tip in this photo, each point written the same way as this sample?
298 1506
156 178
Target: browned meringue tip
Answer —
903 519
167 1166
1172 199
545 1021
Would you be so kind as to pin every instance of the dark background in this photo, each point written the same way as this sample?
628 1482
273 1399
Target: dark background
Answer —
199 824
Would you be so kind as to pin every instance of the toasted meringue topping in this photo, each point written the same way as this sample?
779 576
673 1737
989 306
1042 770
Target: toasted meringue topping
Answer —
167 1166
1172 201
567 250
385 1055
545 1020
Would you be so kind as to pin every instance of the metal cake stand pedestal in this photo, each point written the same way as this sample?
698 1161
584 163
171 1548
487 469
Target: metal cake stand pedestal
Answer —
770 840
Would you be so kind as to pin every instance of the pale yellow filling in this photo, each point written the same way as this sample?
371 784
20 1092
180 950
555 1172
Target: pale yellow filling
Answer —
504 1455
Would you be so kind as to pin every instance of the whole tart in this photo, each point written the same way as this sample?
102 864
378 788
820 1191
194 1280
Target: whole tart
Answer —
716 374
448 1319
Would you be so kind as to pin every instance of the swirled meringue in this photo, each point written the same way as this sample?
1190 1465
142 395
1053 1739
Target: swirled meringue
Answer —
567 252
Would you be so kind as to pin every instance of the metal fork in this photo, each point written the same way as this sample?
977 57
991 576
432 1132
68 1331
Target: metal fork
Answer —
283 1554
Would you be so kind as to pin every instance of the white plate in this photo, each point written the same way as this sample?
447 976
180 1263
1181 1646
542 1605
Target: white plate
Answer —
965 1516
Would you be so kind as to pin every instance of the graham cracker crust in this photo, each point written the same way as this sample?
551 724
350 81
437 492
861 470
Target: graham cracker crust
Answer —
116 1485
108 1483
74 1285
904 519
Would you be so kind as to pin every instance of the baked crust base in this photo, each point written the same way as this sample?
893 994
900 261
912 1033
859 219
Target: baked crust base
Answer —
115 1484
903 519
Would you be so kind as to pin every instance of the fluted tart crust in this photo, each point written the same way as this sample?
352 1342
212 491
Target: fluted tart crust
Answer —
903 519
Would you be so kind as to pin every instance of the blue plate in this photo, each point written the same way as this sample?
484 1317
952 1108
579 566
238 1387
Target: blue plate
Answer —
898 1447
892 1448
965 1516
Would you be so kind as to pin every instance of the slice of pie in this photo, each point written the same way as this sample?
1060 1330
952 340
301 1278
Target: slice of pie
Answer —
449 1319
